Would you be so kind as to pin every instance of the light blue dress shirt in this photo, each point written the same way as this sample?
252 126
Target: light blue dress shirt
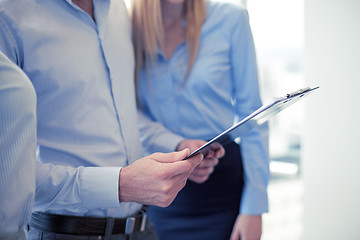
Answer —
82 71
17 149
222 87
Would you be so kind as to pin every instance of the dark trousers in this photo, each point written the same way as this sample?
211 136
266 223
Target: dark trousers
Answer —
204 211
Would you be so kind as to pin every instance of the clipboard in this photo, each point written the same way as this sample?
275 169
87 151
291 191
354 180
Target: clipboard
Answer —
256 118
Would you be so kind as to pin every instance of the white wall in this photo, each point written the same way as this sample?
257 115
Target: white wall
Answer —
331 156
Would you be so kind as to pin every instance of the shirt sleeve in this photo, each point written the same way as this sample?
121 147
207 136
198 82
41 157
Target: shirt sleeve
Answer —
58 186
79 189
17 149
254 144
155 137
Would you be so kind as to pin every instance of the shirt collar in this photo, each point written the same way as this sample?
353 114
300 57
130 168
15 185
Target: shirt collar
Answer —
101 11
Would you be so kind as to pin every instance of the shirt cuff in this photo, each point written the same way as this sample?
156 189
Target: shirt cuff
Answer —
100 187
254 202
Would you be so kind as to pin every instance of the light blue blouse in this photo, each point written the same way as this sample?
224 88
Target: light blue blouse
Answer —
222 88
82 71
17 149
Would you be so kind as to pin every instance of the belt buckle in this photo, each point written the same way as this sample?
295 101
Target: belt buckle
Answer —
130 225
143 222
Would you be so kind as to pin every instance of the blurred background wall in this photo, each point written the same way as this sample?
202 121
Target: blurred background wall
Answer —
331 144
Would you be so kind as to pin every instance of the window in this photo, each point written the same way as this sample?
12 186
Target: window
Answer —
277 27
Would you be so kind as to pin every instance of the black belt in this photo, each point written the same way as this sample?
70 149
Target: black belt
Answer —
79 225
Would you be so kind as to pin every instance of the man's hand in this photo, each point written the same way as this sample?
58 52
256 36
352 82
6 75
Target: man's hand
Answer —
203 171
247 228
157 178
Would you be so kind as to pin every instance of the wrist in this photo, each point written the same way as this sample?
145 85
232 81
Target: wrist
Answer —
121 186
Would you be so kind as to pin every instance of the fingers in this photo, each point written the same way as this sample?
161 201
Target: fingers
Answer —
235 235
208 162
201 174
203 171
186 166
177 164
169 191
192 144
172 165
177 181
214 150
217 149
198 179
156 179
170 157
247 227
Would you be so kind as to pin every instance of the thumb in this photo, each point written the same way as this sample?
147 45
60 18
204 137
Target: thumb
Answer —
195 160
171 157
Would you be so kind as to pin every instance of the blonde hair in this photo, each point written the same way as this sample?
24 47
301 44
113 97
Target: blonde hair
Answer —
148 34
